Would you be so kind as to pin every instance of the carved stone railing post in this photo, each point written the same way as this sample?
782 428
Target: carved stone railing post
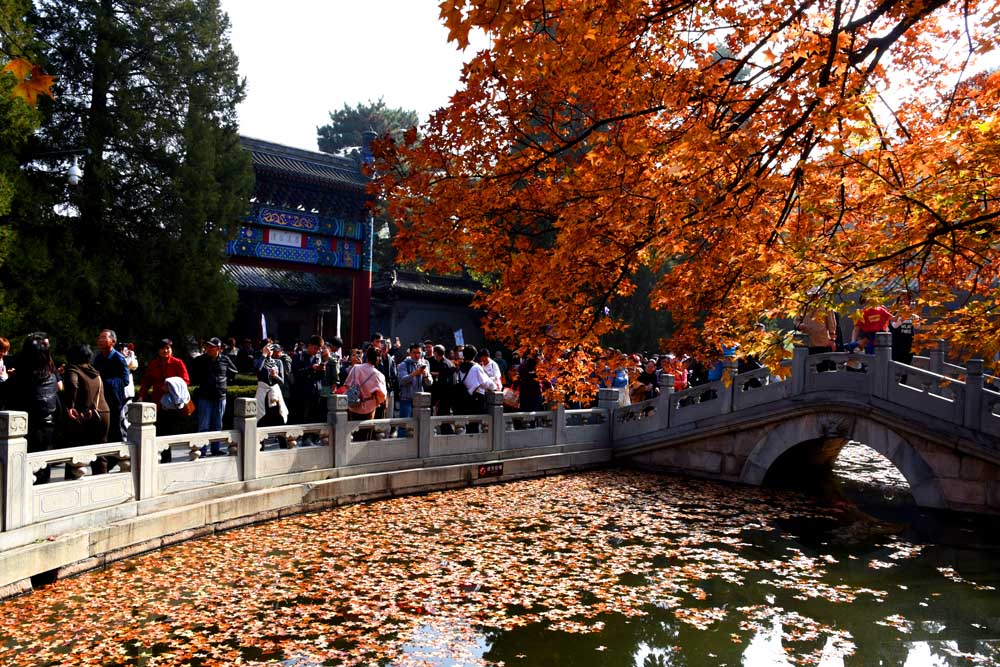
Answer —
17 478
422 411
560 424
973 393
245 421
337 414
882 375
800 364
728 384
663 403
142 443
607 399
938 355
494 408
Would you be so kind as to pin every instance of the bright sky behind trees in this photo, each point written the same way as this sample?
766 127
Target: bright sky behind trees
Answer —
305 58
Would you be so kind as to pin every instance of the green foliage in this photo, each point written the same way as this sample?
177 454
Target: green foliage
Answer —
343 135
245 380
151 89
647 326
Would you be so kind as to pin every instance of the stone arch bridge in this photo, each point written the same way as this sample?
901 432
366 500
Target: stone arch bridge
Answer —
937 424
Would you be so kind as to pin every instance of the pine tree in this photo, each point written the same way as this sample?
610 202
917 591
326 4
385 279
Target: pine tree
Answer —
150 88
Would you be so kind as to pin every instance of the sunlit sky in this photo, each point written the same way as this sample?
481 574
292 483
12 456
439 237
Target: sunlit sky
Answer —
305 58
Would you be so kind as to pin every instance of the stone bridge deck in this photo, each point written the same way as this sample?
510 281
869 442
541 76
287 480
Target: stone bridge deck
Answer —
938 424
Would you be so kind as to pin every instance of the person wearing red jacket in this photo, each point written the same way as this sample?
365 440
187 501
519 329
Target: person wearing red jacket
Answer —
873 319
154 385
166 365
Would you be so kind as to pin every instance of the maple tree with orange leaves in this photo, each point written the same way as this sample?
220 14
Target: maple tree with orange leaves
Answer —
765 155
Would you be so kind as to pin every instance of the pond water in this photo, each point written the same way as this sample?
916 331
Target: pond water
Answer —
598 568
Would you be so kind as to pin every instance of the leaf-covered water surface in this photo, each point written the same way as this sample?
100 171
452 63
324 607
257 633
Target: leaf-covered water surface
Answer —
600 568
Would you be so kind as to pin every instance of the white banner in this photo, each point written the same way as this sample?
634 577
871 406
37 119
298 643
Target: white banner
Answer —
263 327
338 320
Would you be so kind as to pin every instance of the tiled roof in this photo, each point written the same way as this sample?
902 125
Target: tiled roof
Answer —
309 165
410 283
262 279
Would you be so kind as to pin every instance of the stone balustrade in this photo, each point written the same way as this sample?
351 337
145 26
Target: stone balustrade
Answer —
964 402
340 446
150 468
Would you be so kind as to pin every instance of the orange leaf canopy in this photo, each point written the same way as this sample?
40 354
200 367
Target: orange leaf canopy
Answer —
761 158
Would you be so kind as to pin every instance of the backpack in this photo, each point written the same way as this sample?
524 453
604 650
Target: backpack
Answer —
353 393
460 395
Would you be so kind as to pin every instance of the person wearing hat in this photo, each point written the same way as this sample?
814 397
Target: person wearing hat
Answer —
211 372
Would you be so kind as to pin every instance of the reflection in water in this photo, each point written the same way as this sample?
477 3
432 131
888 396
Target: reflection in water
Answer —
920 656
765 648
599 569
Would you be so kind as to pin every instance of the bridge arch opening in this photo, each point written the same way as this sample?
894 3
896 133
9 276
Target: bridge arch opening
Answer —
803 453
838 470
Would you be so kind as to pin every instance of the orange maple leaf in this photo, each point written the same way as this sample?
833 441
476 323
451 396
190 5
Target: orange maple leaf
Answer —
32 80
19 67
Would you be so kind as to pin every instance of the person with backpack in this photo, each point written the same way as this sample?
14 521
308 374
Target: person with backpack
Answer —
365 389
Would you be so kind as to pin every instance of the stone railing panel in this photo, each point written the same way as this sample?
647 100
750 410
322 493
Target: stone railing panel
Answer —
293 448
926 392
587 426
639 418
989 420
198 472
959 372
191 444
755 388
839 371
380 441
59 498
450 435
697 403
523 430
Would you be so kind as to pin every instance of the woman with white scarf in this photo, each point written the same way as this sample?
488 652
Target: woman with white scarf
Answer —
271 408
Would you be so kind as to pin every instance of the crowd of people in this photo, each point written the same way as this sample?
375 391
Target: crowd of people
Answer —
85 400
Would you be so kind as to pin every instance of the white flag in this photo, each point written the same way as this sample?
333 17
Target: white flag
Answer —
263 327
338 320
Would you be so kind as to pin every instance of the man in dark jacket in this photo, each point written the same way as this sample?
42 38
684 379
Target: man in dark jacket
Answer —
387 366
116 377
211 372
443 389
308 373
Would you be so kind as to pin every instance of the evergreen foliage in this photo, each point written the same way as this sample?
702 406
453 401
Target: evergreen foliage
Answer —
150 88
343 134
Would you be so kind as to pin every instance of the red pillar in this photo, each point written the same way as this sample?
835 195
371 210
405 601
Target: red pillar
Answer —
361 308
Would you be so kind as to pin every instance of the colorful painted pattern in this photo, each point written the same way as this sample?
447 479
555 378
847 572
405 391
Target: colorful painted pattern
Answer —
307 222
325 241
